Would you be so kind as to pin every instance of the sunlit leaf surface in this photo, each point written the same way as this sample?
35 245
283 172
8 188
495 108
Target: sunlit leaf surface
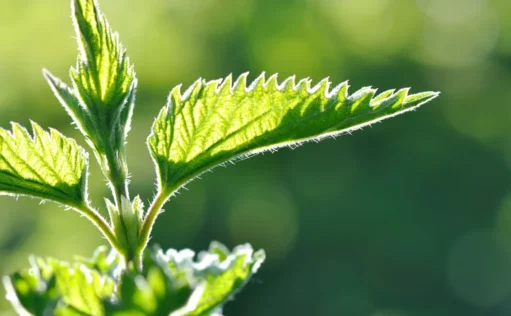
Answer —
176 283
45 165
217 121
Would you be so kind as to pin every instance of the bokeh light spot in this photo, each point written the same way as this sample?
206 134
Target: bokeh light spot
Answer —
266 217
336 172
479 269
452 11
185 216
373 28
458 42
353 304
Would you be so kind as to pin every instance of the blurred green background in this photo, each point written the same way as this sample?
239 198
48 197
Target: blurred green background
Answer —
411 217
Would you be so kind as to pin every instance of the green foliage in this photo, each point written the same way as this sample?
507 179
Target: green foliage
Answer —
102 97
212 123
172 283
222 274
217 121
46 165
52 287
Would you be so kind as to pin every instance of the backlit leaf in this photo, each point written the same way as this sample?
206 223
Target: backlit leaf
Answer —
102 96
221 275
46 165
176 283
52 287
218 121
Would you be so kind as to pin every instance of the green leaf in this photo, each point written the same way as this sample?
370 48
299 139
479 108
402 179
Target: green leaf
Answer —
104 260
52 287
72 105
157 291
102 96
218 121
47 165
176 283
221 275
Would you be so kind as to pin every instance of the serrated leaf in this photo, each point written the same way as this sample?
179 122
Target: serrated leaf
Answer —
218 275
218 121
102 96
104 260
103 69
46 165
52 287
158 291
103 78
176 283
71 104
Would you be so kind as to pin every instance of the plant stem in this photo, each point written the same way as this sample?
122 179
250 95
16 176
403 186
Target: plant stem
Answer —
148 223
100 223
114 170
116 178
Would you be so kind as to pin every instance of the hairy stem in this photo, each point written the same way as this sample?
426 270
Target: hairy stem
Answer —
116 178
148 223
100 223
119 187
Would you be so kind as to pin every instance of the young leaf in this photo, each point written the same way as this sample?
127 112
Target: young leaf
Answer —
47 165
218 121
157 291
52 287
172 283
102 98
104 260
176 284
221 275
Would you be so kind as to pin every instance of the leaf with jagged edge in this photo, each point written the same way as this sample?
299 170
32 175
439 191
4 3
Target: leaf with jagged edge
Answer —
217 275
102 96
156 291
52 287
178 283
218 121
46 165
105 260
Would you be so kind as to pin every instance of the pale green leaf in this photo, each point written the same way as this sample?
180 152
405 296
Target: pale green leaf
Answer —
71 104
179 283
222 275
104 80
176 283
102 96
218 121
46 165
104 260
156 291
52 287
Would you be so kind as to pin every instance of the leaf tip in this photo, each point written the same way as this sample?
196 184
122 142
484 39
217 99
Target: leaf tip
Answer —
258 82
46 73
241 83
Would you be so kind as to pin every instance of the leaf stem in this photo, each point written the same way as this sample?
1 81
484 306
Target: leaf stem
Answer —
116 177
148 223
119 187
100 223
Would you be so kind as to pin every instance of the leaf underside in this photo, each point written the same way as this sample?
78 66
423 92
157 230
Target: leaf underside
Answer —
174 283
218 121
46 165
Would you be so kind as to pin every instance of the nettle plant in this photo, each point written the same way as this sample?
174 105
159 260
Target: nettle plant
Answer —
212 123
